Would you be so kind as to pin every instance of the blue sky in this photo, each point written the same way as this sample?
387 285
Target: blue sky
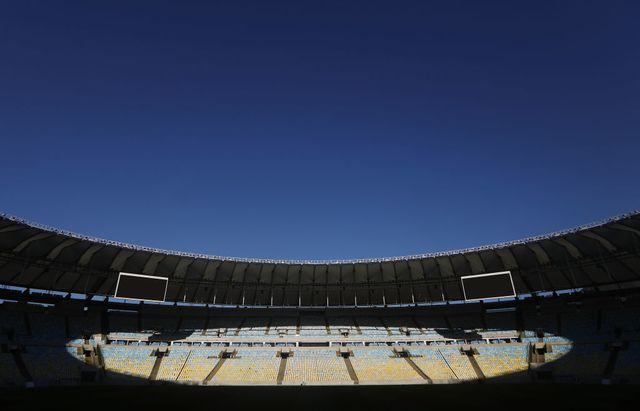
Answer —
319 129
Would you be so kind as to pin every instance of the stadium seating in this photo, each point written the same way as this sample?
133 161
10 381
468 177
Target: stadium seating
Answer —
254 327
83 323
9 373
283 325
336 324
313 326
47 327
381 365
628 363
193 325
558 351
622 318
464 322
316 366
172 364
198 365
53 365
433 364
578 336
459 363
128 360
160 323
582 362
372 327
502 360
250 366
13 321
580 326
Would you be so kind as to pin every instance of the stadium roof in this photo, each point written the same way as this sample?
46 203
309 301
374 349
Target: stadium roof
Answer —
591 256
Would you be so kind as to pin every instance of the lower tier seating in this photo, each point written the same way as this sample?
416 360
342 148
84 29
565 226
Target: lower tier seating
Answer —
250 367
500 361
132 361
381 365
311 366
199 363
51 365
172 364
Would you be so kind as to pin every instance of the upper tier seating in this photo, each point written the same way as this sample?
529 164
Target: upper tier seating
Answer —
372 327
431 322
501 320
254 327
159 323
336 324
47 326
313 326
84 323
394 324
283 325
13 321
193 325
465 322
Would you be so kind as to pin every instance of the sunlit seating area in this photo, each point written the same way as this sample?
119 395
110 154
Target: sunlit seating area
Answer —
250 367
199 363
382 365
172 364
432 362
459 363
130 361
44 346
316 366
503 360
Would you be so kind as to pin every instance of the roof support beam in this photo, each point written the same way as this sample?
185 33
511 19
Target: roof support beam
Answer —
25 243
55 252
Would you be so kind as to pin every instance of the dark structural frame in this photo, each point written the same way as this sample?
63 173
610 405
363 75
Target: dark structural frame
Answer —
603 256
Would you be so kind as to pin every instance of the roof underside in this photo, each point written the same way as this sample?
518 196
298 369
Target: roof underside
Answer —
39 257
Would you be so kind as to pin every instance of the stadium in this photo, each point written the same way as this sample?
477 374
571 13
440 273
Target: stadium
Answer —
557 308
284 205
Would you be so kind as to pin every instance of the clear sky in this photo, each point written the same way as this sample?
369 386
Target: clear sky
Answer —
319 129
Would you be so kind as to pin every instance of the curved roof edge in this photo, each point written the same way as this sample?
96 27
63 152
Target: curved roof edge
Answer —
319 262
